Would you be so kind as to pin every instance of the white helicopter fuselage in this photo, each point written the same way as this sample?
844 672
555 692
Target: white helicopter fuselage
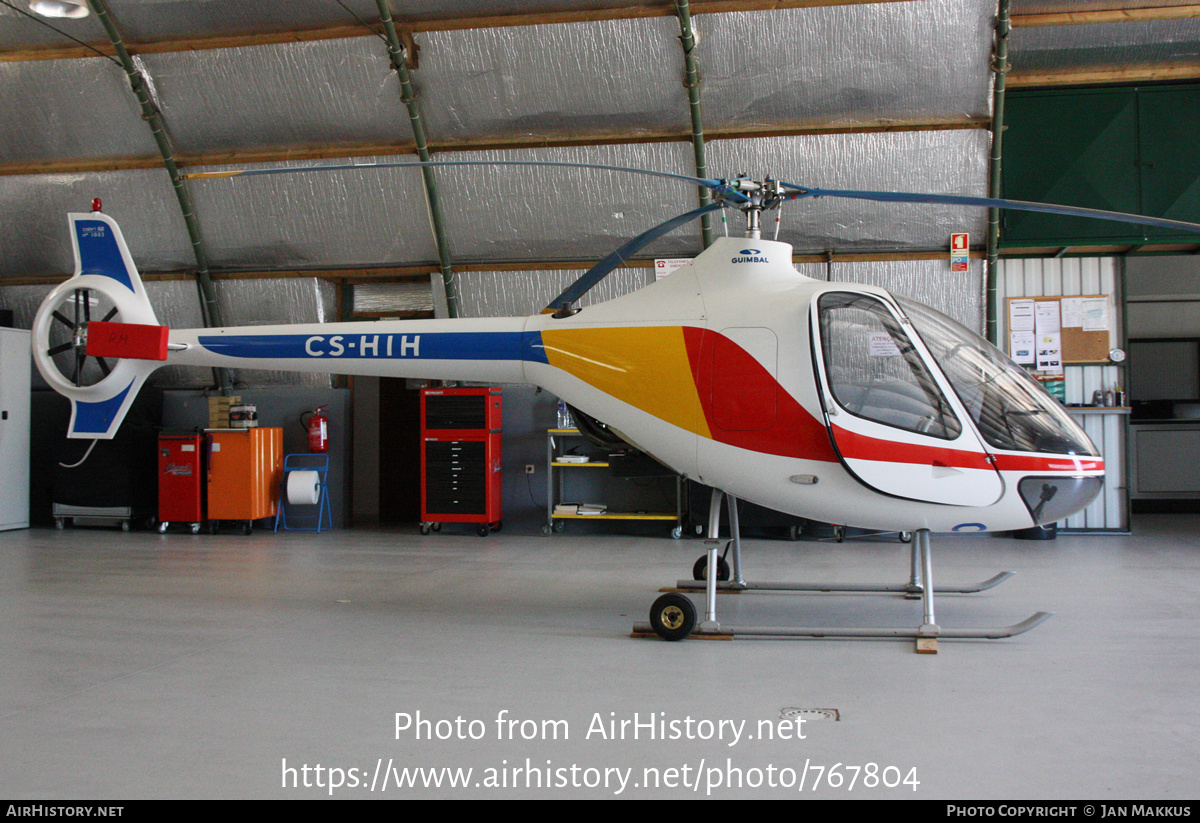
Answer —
730 371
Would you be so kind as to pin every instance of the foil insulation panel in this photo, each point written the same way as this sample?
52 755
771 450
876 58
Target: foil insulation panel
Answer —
24 301
265 301
1103 45
882 62
959 295
69 110
37 235
521 213
521 293
352 217
940 162
1055 6
149 20
177 305
607 78
381 298
291 94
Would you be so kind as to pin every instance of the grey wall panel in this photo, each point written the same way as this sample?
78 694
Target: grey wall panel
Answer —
18 31
520 293
169 19
1054 6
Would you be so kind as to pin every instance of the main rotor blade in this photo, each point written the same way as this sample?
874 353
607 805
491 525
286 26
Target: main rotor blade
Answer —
994 203
209 175
599 271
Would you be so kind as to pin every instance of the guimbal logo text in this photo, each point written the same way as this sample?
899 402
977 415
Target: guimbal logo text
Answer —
750 256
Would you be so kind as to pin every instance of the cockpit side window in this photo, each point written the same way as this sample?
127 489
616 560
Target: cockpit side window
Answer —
873 370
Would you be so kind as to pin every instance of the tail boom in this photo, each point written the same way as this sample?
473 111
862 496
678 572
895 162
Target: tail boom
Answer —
485 350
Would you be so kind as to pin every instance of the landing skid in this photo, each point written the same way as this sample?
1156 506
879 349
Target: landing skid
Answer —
728 633
915 590
673 616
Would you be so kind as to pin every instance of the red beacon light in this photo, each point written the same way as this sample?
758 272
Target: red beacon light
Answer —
95 204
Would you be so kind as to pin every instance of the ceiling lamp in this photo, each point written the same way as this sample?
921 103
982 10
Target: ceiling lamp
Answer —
60 8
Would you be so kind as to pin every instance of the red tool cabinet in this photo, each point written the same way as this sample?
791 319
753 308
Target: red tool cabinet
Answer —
180 480
460 458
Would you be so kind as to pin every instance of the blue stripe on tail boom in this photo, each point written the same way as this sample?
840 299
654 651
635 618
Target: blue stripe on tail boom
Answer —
514 346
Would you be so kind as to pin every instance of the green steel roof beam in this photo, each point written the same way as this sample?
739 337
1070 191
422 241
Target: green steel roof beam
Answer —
691 82
1000 66
409 96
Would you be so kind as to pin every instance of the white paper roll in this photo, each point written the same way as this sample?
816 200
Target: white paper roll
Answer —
303 488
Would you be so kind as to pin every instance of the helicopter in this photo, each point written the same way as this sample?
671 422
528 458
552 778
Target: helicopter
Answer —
836 402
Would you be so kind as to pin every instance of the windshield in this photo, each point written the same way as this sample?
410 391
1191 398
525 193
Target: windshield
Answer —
1010 409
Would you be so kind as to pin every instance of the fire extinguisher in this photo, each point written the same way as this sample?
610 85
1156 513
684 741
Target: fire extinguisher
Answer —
317 427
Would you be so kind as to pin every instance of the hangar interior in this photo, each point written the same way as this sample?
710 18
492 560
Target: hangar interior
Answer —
180 665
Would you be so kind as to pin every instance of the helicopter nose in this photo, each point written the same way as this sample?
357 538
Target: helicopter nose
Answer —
1050 499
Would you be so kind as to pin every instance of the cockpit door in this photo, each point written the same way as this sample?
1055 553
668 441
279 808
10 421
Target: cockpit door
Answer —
895 422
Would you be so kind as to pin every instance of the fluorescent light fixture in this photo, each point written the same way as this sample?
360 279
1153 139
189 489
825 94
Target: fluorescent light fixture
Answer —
60 8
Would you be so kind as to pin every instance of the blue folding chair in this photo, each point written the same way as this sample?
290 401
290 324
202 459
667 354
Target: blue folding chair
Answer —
324 514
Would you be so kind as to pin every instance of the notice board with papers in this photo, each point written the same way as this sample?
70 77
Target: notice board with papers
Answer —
1046 332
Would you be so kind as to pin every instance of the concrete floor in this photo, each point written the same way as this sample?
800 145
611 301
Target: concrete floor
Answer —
139 665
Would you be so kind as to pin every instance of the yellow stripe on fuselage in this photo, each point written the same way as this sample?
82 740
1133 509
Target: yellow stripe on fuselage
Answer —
644 366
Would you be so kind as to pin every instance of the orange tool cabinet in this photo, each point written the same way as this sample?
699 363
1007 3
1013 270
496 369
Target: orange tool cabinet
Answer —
245 467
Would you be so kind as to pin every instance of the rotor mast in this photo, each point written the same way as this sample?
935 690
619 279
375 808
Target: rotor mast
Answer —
752 198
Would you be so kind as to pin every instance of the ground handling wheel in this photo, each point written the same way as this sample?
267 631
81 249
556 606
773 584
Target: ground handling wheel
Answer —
673 616
700 569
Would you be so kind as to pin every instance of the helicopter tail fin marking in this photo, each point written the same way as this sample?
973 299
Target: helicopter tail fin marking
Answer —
102 418
100 250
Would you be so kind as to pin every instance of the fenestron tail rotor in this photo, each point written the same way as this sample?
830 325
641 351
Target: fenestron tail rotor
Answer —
96 338
68 335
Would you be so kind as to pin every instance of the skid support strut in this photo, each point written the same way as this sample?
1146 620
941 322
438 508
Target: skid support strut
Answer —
673 616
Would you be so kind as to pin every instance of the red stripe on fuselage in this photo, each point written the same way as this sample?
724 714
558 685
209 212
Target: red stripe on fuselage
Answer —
1047 463
794 433
855 446
861 447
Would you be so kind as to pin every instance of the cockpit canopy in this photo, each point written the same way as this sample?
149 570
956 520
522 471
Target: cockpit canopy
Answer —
1011 411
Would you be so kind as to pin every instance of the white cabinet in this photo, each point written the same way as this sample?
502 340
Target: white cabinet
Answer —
14 428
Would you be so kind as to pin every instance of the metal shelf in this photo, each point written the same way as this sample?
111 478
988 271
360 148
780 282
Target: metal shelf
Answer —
555 483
